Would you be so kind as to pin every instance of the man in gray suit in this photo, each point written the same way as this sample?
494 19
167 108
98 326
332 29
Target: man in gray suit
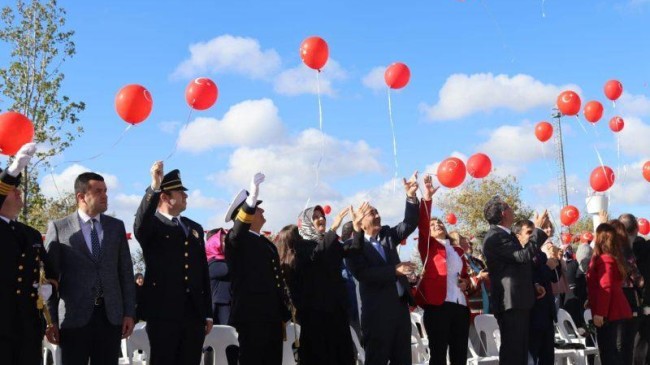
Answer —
90 255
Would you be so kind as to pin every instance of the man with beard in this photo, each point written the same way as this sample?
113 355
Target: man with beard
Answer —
176 297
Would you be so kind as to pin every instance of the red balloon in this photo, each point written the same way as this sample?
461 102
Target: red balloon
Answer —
613 89
593 111
644 226
568 102
397 75
646 171
586 237
451 218
451 172
567 238
543 131
15 131
201 93
133 103
314 52
616 124
479 165
602 178
327 209
569 215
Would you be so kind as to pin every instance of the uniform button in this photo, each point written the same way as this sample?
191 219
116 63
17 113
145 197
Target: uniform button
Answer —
23 255
154 284
277 277
187 266
37 258
186 254
166 236
278 285
186 278
20 280
273 261
18 291
275 268
186 243
35 270
32 295
20 267
187 290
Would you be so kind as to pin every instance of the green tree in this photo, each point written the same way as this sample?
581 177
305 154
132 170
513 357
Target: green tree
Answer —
53 208
31 84
467 202
138 261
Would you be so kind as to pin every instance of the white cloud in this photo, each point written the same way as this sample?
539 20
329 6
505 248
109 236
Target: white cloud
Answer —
374 80
634 137
290 169
54 185
630 186
227 53
302 80
629 104
169 127
248 123
463 95
513 143
196 200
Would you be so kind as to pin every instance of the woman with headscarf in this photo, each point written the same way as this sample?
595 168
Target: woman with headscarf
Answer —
325 330
219 275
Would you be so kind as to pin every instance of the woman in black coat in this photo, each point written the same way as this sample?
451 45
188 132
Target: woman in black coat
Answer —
325 329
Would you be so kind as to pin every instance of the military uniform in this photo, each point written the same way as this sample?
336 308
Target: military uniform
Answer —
176 295
259 296
21 252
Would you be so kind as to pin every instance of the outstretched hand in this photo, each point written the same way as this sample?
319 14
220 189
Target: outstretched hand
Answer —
541 220
411 186
157 173
429 189
357 216
339 218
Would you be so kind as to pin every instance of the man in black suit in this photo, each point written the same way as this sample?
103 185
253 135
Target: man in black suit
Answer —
21 253
383 286
177 301
512 287
259 295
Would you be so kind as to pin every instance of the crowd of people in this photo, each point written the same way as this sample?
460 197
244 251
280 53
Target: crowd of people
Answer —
77 288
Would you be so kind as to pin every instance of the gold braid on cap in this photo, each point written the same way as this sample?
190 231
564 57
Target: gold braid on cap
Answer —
244 217
6 188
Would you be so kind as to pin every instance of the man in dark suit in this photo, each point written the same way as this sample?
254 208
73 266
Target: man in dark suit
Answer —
90 255
259 294
177 301
21 255
513 291
383 286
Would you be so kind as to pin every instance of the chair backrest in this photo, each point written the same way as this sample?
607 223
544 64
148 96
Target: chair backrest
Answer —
361 354
293 332
139 340
566 326
417 318
587 315
219 339
488 330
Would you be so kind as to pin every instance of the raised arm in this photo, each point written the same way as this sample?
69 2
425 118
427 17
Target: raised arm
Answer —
244 218
410 222
502 247
143 224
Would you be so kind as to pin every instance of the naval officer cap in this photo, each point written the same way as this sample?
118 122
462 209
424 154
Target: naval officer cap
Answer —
172 181
237 203
15 181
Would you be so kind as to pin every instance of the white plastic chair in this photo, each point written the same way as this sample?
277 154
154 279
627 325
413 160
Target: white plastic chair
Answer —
488 332
293 332
126 356
361 354
139 340
54 350
219 339
419 350
475 359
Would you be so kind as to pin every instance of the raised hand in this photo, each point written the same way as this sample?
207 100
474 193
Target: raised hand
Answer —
357 216
604 217
23 156
541 219
254 189
157 173
411 186
339 218
429 189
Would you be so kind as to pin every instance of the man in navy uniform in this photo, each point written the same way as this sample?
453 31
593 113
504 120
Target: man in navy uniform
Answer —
259 296
176 298
21 254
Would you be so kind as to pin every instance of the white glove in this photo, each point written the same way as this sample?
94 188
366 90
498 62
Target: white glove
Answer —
254 189
45 291
24 154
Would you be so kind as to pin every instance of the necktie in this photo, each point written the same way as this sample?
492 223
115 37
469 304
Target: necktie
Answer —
94 239
179 224
379 248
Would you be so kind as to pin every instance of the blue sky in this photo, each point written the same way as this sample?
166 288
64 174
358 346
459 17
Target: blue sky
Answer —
482 74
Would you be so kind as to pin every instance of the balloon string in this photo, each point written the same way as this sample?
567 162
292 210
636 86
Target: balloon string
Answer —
581 125
322 140
543 11
614 104
618 154
499 31
103 152
392 127
187 121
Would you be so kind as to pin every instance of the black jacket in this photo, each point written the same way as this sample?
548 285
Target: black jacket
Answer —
511 269
219 281
176 264
257 286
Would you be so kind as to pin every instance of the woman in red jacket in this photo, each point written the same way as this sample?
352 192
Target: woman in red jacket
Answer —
441 292
609 307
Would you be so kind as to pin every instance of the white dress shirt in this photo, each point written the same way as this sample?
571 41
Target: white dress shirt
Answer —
86 227
454 267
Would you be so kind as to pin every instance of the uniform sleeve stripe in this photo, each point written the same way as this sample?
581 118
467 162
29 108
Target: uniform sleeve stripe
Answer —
244 217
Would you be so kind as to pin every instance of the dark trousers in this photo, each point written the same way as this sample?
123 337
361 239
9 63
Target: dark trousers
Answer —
98 341
325 338
541 345
642 341
23 347
615 343
514 326
388 338
447 326
260 343
176 341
